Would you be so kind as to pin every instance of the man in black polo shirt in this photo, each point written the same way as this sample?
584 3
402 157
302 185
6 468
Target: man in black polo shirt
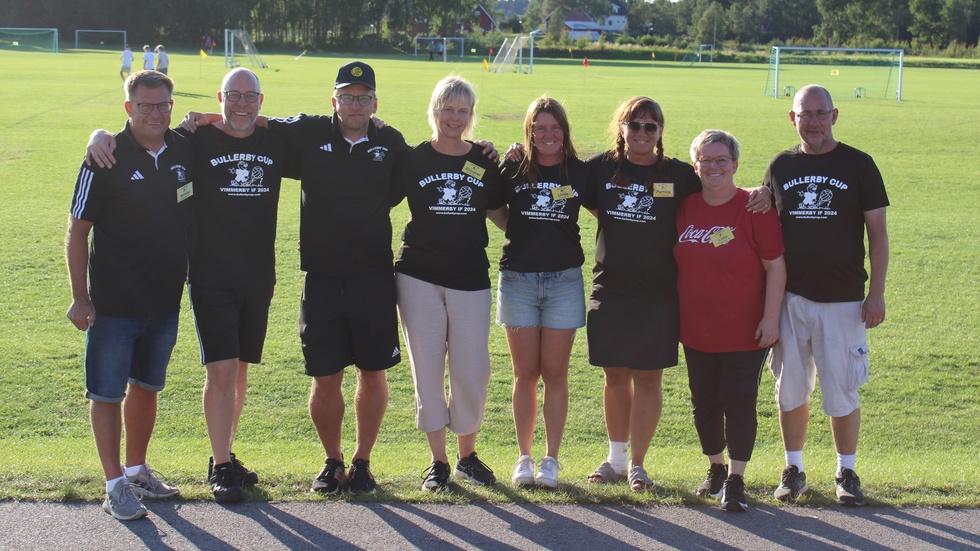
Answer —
239 168
128 305
348 314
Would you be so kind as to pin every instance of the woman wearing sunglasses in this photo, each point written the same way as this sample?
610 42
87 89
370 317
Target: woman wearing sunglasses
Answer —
633 317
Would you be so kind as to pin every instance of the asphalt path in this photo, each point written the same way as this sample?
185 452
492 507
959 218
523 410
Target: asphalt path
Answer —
395 526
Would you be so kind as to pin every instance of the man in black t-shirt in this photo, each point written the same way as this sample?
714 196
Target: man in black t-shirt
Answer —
138 215
827 194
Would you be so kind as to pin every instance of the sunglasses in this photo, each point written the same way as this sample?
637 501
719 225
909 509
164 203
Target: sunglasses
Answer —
634 126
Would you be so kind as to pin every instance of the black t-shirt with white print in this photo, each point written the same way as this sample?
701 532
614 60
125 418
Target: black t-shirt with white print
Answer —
236 207
822 200
542 228
637 225
445 240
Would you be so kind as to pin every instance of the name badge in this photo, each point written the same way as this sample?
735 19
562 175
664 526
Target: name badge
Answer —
563 192
663 190
722 236
473 170
185 192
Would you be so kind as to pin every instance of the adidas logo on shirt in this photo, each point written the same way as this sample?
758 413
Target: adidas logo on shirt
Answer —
137 176
328 148
395 352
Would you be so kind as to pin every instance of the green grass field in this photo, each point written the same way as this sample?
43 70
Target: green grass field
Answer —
921 422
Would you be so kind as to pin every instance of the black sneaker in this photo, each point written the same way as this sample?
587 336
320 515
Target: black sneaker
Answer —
436 478
361 479
733 495
472 469
249 478
792 486
714 482
331 479
226 484
849 489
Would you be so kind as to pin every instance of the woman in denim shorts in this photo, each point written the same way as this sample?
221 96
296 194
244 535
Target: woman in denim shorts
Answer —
540 295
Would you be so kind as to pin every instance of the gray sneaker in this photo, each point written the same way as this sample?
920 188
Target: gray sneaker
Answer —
123 503
146 483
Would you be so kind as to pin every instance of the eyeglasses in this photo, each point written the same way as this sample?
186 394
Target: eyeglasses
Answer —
163 108
233 96
720 162
348 99
819 115
634 126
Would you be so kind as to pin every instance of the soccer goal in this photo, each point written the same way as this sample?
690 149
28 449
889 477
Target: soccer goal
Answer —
26 39
93 39
699 56
511 55
844 72
238 45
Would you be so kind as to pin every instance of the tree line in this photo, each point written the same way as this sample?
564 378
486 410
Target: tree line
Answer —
935 24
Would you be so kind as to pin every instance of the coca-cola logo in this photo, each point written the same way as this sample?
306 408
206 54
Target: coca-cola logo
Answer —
695 235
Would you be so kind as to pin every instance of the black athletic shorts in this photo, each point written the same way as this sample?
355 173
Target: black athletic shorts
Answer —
349 321
231 323
633 332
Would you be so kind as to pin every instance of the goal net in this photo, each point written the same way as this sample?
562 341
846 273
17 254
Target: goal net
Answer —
29 39
706 52
844 72
509 53
91 39
239 47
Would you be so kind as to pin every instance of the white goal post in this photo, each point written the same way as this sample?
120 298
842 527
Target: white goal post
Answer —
430 45
511 52
844 72
98 39
239 44
29 38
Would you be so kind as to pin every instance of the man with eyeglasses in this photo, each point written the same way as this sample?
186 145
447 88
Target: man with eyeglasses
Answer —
231 275
347 313
138 214
828 194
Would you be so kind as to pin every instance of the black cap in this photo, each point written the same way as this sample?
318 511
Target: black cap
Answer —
355 72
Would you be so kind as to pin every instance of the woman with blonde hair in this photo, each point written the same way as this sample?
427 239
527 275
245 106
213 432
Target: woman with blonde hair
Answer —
442 279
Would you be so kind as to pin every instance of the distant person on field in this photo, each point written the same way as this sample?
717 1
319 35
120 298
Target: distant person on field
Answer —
147 58
126 287
163 60
239 168
127 62
828 193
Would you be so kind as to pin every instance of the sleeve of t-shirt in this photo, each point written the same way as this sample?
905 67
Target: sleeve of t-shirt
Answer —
398 180
767 232
690 183
90 193
295 130
873 195
590 198
496 196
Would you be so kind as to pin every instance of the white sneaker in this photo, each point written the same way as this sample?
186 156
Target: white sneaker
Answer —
548 474
523 471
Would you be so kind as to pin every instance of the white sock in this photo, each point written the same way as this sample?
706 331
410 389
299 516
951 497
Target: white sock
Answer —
110 484
132 471
845 462
617 455
795 458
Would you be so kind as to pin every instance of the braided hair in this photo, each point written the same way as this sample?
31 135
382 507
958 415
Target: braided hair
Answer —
630 109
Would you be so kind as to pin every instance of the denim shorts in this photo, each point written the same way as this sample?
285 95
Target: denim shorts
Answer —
122 351
555 300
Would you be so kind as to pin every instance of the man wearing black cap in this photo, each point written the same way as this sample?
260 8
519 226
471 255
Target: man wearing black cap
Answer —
347 314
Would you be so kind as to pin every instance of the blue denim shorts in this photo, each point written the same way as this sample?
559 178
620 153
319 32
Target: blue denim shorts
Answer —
555 300
122 351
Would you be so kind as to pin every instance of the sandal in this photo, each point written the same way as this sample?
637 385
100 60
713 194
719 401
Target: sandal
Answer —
605 474
638 479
